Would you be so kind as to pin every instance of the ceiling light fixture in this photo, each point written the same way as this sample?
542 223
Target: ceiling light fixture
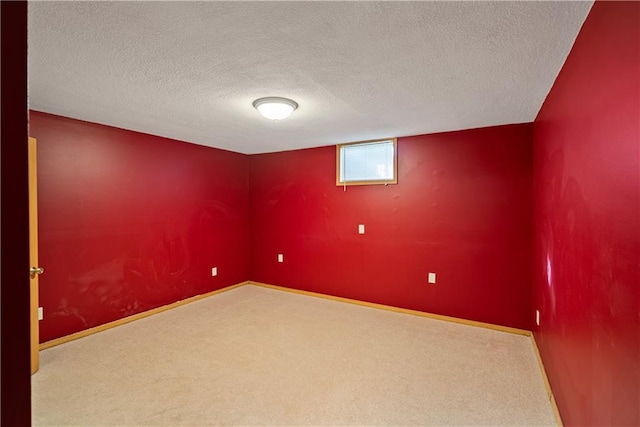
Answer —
275 108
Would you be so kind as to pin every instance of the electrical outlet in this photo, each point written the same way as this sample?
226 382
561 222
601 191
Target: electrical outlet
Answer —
537 317
40 313
280 258
360 228
214 271
432 278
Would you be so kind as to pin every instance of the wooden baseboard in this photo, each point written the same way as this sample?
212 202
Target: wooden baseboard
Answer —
104 327
157 310
547 384
398 310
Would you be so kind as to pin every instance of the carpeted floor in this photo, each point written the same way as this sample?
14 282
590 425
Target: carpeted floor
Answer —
258 356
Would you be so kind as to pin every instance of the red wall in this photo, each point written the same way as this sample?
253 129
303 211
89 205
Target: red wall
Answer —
462 209
130 222
587 224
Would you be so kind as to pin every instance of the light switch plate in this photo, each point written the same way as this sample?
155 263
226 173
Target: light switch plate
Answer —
537 317
432 278
360 228
280 257
40 313
214 271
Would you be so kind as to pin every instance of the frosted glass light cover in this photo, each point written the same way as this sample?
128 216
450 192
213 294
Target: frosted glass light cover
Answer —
275 108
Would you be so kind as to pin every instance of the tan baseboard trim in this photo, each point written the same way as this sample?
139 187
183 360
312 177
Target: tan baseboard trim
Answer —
399 310
137 316
547 384
157 310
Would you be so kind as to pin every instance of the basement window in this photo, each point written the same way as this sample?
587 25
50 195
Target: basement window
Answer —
367 162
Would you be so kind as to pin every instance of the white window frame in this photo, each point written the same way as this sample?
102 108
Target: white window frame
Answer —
372 181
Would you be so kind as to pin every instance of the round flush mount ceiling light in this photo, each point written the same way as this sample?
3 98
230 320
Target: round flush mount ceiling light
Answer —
275 108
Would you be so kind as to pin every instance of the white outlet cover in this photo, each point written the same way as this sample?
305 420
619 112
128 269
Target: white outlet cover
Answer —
360 228
40 313
432 278
538 317
280 258
214 271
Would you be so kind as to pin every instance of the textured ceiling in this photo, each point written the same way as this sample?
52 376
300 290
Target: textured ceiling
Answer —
358 70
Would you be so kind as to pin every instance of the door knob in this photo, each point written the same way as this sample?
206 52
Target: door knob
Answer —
36 270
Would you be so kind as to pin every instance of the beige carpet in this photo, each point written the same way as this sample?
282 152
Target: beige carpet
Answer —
258 356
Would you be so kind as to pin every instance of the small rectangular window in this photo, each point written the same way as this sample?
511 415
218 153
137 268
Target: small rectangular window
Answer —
367 162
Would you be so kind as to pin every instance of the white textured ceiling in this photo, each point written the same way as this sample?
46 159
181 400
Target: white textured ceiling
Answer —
358 70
